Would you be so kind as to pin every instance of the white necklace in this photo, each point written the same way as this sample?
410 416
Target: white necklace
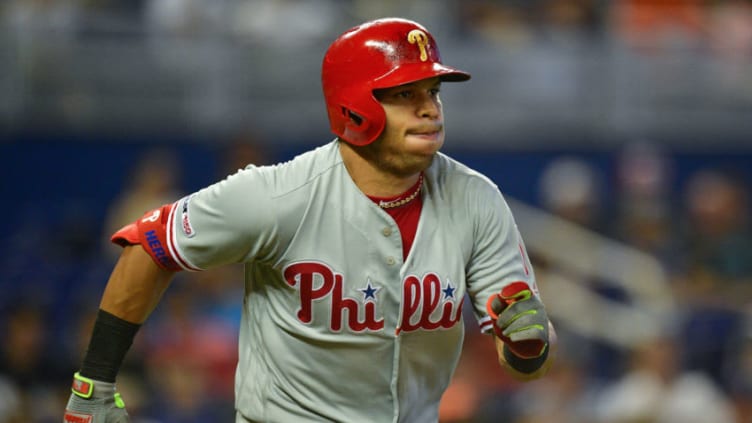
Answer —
401 202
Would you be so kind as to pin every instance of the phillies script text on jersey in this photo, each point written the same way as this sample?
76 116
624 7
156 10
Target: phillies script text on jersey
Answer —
421 298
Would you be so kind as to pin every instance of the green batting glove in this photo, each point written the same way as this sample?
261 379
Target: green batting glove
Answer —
94 401
520 320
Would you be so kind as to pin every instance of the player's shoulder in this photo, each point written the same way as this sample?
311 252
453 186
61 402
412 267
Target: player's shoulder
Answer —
461 190
450 174
301 170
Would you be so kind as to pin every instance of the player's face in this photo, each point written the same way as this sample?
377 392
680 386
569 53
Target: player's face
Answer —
414 129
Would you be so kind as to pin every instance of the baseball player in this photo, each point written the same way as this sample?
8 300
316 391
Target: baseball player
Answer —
357 255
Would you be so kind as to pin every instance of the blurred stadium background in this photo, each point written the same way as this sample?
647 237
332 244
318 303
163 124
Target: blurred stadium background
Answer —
620 131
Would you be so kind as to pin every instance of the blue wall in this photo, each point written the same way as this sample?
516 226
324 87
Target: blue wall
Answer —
51 178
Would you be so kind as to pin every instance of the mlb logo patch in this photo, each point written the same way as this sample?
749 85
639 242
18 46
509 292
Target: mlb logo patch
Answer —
185 220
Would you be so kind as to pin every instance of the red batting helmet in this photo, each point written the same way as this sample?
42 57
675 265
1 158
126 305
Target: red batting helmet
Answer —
378 54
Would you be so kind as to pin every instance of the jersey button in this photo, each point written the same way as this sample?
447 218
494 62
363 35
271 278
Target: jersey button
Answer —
386 231
391 260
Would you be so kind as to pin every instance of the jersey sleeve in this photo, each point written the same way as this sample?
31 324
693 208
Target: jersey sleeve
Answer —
230 221
499 256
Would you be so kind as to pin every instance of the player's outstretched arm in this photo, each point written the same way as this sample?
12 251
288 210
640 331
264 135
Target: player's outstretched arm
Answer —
132 292
525 338
135 286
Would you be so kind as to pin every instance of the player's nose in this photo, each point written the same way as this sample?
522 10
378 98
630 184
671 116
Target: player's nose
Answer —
429 107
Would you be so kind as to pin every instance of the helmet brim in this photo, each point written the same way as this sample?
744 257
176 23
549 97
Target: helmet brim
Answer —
411 72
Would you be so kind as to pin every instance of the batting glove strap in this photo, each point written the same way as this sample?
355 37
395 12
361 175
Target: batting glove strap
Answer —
92 389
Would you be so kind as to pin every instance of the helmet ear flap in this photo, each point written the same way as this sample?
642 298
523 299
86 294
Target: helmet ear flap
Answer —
363 118
352 116
356 128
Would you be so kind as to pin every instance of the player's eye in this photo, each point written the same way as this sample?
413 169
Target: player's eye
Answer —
404 94
435 91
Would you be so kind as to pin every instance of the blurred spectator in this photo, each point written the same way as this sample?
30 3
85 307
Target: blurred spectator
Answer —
714 280
284 22
436 15
657 389
36 20
570 188
659 25
189 41
190 359
504 24
571 19
730 29
643 215
221 293
513 24
571 13
185 17
737 372
152 182
568 392
42 33
29 366
717 240
730 39
243 149
10 402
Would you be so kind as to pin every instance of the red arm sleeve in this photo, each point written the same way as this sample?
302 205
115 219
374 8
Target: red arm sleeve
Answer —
150 231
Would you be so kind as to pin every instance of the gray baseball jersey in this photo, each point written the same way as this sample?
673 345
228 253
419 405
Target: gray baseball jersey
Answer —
336 325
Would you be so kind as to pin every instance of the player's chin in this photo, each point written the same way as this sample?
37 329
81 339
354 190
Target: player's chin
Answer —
413 165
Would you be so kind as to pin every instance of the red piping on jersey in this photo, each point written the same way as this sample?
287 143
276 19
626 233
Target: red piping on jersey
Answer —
171 245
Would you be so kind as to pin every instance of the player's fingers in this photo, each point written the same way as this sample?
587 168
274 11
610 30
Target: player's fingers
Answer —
532 332
497 305
515 294
494 306
528 318
517 309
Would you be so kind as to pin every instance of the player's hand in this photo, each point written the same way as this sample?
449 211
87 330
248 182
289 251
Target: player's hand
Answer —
520 320
94 401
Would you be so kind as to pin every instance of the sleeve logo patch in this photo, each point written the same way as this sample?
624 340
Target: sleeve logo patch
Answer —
185 220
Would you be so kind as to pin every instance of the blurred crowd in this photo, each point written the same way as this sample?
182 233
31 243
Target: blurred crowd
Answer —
693 364
720 25
696 368
181 367
179 65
